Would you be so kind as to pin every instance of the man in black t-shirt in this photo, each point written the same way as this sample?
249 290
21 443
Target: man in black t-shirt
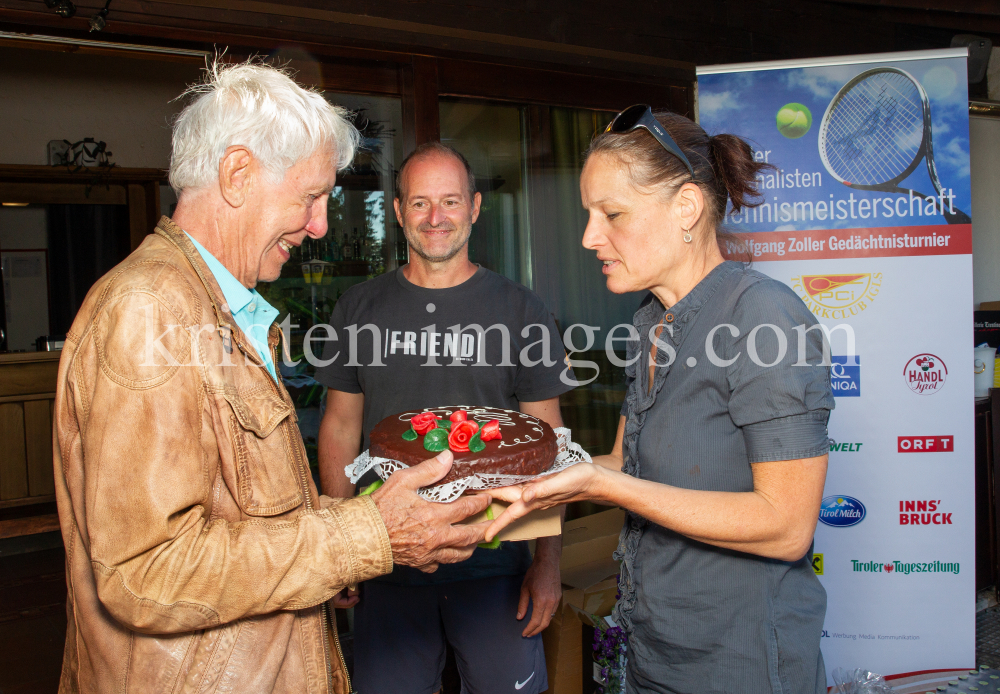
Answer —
443 331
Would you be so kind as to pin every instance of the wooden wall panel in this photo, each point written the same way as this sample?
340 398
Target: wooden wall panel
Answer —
13 463
62 193
28 378
421 115
38 447
138 224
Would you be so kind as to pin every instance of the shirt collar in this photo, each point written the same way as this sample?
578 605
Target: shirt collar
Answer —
653 311
236 295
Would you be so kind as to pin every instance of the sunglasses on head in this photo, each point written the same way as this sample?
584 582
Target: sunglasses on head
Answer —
641 116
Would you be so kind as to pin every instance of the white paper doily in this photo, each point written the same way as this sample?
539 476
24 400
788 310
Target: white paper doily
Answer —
569 454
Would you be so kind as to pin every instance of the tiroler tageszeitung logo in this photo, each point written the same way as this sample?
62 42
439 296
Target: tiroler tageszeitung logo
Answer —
904 568
838 296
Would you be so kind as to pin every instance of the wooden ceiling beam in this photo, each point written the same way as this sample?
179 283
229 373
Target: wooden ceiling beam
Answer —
136 21
253 22
971 7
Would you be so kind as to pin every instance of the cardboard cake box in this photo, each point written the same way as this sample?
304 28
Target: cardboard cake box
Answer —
534 525
589 588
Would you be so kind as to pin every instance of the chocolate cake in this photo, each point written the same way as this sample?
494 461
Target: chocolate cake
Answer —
525 445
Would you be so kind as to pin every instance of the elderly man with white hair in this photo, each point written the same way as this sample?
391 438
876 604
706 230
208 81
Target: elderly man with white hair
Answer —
199 555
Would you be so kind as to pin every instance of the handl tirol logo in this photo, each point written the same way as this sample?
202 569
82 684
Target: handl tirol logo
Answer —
925 373
841 511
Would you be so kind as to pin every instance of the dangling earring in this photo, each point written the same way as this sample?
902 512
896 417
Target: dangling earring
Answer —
687 236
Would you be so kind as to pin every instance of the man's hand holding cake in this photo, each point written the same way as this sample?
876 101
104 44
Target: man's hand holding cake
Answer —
422 534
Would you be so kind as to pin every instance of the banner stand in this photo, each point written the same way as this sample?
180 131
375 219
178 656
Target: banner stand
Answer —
866 215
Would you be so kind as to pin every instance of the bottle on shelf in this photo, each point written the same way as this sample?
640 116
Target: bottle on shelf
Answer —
348 248
334 246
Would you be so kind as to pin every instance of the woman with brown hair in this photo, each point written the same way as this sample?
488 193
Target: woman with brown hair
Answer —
721 453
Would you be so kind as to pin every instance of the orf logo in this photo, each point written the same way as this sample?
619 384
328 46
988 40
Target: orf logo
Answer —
925 444
925 374
845 376
841 511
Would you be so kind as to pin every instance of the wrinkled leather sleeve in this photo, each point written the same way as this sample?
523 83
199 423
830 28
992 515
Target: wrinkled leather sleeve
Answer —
161 564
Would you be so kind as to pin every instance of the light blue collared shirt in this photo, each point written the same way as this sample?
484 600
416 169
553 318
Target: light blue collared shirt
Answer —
251 312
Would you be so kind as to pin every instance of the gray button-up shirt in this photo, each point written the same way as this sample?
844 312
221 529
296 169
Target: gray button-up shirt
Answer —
702 619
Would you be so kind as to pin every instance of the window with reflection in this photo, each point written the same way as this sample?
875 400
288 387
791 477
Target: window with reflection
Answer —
528 160
362 241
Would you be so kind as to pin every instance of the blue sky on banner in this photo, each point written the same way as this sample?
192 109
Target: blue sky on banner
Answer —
747 104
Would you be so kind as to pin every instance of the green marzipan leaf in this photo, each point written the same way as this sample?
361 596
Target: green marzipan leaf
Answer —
371 487
436 440
436 435
476 443
435 445
444 424
495 542
410 435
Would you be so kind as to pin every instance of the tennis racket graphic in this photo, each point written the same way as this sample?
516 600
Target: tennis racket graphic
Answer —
875 132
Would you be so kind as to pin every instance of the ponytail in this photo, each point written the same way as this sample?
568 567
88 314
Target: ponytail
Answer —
735 171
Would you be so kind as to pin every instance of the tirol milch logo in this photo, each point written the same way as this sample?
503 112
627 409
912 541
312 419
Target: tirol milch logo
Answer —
838 296
925 374
841 511
845 376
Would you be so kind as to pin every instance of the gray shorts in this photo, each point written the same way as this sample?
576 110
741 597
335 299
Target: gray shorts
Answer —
400 634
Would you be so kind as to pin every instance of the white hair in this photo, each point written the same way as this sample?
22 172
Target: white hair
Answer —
263 109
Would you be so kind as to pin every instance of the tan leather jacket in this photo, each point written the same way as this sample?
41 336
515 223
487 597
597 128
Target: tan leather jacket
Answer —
199 556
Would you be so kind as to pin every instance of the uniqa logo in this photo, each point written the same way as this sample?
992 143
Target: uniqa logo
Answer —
845 376
838 296
925 374
841 511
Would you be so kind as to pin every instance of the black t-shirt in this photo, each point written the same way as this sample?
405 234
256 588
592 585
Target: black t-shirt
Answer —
437 347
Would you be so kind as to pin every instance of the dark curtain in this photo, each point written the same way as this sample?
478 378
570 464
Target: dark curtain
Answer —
85 242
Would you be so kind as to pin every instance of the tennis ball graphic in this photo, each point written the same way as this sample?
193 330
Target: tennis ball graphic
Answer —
794 120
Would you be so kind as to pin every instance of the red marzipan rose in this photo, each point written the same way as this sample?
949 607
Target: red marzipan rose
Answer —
459 416
490 431
461 433
424 422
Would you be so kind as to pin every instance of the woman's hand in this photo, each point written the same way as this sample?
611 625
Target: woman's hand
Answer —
580 482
